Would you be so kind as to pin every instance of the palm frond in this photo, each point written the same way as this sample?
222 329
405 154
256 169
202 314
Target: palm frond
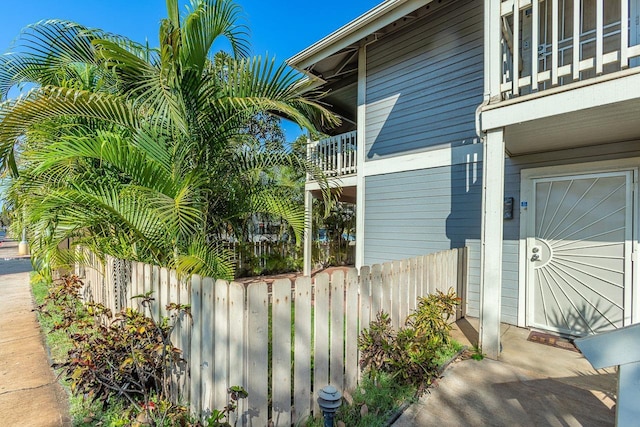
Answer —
206 21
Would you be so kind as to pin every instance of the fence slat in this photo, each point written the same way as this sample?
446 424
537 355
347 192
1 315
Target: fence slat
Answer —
257 358
237 328
365 299
394 286
155 286
163 294
337 334
221 343
403 292
351 333
390 272
195 365
302 350
432 273
413 283
139 285
184 328
376 290
281 353
176 374
207 350
321 328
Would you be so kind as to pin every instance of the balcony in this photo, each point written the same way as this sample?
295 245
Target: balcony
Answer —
553 43
336 155
569 75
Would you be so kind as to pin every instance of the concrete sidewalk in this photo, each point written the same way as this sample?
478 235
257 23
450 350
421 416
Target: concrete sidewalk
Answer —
30 395
531 385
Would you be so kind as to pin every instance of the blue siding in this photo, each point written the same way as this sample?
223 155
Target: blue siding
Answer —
424 83
418 212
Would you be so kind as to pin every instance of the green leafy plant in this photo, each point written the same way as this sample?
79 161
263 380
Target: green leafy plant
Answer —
377 344
221 417
413 354
372 404
128 356
477 354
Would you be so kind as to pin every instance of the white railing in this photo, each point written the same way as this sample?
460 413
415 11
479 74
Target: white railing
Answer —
335 156
574 40
314 327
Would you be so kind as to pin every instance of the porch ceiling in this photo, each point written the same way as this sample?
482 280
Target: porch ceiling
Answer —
600 125
581 116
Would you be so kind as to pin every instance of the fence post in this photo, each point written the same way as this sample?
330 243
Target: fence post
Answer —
351 366
281 353
336 366
302 350
321 328
257 346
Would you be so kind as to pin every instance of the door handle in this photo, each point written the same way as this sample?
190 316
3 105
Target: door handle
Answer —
535 257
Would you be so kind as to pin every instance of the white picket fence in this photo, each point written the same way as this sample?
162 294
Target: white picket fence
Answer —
314 327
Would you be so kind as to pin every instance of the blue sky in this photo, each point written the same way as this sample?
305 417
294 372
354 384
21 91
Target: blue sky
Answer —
279 28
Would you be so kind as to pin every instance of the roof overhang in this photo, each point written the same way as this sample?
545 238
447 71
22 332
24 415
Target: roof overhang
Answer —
357 30
597 111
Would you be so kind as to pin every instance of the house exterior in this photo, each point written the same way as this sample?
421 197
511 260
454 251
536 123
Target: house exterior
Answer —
510 127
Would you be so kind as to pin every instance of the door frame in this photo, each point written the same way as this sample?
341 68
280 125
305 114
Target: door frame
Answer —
527 215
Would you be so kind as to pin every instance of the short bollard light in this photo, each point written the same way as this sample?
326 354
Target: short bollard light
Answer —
329 400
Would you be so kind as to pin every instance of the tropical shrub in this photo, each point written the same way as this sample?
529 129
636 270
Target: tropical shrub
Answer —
411 355
128 356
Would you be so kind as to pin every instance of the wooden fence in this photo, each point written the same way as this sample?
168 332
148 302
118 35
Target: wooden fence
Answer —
282 342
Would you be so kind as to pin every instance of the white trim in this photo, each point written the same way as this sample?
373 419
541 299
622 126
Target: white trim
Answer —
308 233
425 160
635 313
491 244
578 96
522 278
361 144
356 30
579 168
527 177
342 181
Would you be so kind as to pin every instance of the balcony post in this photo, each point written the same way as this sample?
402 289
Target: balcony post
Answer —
339 155
360 154
308 233
491 243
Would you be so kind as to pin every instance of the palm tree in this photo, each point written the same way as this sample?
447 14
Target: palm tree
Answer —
142 152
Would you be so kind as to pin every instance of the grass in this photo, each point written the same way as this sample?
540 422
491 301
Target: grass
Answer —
382 396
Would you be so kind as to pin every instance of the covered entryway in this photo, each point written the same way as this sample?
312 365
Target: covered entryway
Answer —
578 252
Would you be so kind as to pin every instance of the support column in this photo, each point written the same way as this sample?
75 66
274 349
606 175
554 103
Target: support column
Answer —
491 242
360 154
308 232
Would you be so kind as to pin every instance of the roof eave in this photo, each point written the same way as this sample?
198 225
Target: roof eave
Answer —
358 29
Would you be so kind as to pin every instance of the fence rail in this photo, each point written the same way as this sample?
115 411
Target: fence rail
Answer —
549 43
314 326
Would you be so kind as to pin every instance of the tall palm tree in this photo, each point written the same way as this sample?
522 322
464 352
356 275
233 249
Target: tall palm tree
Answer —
142 152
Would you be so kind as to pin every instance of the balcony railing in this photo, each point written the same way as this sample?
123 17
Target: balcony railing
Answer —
335 156
556 42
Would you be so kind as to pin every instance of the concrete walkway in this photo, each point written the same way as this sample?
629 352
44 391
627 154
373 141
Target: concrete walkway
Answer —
29 392
531 385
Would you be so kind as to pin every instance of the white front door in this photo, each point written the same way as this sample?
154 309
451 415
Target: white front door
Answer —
578 252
